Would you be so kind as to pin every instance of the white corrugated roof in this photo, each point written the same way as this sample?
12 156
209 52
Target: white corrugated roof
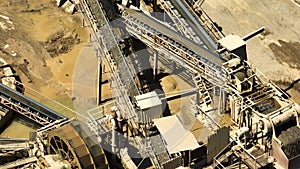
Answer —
176 136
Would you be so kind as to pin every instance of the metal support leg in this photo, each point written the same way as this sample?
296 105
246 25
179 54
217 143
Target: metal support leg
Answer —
197 98
99 88
155 62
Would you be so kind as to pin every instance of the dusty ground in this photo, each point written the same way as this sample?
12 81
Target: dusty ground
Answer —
277 51
50 51
44 42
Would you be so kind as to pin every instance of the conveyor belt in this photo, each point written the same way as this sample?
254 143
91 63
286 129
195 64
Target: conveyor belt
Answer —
194 55
180 22
206 39
158 28
27 107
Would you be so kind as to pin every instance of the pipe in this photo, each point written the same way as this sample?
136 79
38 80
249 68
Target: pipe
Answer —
99 88
277 121
283 118
114 135
254 33
182 94
155 63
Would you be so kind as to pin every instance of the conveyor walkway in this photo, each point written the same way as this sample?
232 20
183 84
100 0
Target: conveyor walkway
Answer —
194 24
31 109
158 36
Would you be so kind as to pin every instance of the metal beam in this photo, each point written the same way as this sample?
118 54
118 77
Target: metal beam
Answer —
155 63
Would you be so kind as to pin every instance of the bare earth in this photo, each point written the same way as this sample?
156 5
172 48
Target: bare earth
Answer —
277 51
46 42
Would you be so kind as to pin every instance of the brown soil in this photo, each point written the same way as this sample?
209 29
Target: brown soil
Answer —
43 47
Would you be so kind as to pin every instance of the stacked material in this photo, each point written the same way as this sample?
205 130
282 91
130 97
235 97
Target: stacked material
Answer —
291 141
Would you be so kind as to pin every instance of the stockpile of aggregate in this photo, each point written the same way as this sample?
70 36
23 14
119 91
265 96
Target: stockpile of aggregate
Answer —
291 141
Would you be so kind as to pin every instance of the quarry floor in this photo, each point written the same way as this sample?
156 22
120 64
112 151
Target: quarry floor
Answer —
46 42
41 42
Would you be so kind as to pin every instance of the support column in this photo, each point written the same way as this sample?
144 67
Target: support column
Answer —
155 63
223 100
99 87
197 98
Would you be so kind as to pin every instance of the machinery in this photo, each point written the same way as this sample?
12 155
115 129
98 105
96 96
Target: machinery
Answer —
227 85
232 116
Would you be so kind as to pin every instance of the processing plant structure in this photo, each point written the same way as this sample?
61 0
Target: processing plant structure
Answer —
231 117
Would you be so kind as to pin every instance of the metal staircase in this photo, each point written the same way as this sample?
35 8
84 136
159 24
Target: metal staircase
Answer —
203 92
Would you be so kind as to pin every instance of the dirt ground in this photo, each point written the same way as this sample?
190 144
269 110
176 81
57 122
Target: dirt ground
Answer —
41 43
277 51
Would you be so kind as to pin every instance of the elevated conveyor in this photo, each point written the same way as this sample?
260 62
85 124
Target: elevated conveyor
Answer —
160 37
124 82
27 107
187 23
